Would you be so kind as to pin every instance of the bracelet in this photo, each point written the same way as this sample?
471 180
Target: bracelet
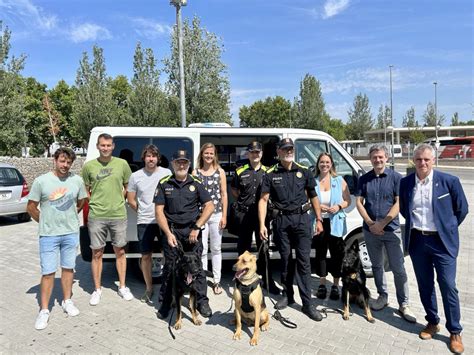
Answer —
319 220
340 207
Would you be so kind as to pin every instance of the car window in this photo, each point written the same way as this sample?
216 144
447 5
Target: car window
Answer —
307 151
10 177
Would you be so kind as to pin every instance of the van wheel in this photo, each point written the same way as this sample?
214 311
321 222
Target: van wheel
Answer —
156 268
363 253
24 217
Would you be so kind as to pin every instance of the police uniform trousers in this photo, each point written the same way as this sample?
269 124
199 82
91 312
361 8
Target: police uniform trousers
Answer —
249 226
171 257
294 232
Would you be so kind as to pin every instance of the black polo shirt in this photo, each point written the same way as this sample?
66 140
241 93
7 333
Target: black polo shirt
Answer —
181 199
249 183
289 189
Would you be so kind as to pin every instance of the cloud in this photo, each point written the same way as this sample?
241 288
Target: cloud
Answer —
29 14
150 29
89 32
334 7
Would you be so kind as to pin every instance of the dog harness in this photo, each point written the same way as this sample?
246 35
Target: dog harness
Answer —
245 291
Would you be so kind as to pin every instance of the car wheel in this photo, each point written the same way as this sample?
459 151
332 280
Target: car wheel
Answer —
157 264
363 253
24 217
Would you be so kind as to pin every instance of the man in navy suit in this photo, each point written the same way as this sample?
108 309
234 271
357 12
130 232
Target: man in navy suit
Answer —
434 205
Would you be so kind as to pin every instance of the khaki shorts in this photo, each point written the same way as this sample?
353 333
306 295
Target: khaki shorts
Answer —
99 229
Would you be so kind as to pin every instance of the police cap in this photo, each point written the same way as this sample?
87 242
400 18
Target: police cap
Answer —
285 143
180 155
254 147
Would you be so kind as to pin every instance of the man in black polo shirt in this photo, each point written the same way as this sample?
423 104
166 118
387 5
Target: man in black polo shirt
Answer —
289 185
177 201
246 187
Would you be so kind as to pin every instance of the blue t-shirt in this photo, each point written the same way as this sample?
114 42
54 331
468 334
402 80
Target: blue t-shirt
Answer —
379 194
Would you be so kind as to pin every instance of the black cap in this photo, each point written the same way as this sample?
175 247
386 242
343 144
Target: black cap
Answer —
285 143
180 155
254 146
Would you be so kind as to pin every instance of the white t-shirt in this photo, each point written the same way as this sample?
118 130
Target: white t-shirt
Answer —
144 185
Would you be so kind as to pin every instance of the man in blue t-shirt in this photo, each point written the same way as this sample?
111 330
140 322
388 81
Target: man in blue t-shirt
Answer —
60 195
377 202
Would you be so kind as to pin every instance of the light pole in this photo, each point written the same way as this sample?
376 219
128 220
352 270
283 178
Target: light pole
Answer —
178 4
391 119
436 119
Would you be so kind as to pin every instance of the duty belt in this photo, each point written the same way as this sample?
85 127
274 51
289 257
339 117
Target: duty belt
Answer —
300 210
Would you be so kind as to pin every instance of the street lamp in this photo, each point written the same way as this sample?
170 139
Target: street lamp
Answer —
178 4
391 119
436 120
392 153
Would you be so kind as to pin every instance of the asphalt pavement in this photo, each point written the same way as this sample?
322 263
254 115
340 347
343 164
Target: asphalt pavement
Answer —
118 326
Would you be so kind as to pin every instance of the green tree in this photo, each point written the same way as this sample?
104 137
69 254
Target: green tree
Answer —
310 111
336 128
148 104
360 118
12 118
120 89
409 118
94 104
455 119
384 117
62 100
271 112
429 116
207 88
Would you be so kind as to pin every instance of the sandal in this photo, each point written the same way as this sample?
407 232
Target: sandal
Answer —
216 288
322 291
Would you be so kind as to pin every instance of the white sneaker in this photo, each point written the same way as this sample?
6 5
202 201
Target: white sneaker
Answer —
125 293
380 303
70 308
42 319
95 297
407 314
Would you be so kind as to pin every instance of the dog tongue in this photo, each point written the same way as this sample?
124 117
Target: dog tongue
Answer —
239 273
189 278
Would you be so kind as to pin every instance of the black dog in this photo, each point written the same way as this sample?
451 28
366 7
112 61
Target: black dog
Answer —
353 282
188 266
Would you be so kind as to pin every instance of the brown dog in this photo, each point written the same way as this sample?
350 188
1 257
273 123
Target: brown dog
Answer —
248 297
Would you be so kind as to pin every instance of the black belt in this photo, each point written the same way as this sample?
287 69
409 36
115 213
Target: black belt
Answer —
300 210
427 233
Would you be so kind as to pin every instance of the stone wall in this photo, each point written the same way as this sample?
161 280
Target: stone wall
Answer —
31 168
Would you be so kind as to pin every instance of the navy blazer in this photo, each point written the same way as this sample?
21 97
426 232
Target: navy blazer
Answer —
450 207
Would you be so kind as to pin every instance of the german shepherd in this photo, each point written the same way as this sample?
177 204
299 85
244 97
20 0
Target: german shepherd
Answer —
353 282
188 267
248 297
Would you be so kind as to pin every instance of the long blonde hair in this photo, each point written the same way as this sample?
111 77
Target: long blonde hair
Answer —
200 159
332 171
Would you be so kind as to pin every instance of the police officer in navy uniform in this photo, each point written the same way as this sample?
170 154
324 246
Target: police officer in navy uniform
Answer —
178 198
289 185
246 187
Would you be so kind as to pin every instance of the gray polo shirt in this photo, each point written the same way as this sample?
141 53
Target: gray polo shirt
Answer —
379 194
144 185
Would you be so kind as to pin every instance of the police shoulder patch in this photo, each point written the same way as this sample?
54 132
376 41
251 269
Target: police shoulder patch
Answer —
242 169
165 179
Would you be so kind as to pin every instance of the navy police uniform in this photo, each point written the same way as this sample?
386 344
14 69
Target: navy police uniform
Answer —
181 200
289 191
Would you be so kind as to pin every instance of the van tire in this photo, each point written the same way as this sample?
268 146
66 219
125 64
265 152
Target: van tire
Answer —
135 265
363 253
85 242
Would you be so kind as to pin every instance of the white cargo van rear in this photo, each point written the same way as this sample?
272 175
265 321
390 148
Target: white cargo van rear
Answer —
231 146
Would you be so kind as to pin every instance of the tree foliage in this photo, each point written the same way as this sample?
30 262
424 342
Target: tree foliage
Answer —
360 118
12 117
409 119
309 106
271 112
336 129
429 116
207 88
455 119
384 118
62 100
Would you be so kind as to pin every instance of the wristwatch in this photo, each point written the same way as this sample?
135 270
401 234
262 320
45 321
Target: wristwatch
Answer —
319 220
195 227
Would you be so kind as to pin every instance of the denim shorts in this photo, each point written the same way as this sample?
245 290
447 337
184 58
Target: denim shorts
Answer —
146 234
99 229
52 248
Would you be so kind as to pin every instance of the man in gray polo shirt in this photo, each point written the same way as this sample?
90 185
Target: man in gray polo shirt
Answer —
140 194
377 202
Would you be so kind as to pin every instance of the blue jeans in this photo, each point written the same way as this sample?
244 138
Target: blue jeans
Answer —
58 246
392 241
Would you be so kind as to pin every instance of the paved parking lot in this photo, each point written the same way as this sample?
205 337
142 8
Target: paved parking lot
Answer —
117 326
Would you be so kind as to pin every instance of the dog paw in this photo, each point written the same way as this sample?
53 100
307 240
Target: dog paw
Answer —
237 335
178 325
264 328
371 320
197 322
253 341
345 317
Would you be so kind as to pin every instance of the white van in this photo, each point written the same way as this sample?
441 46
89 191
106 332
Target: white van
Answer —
231 145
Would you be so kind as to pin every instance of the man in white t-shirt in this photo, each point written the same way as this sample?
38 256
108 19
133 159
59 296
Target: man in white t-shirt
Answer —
140 194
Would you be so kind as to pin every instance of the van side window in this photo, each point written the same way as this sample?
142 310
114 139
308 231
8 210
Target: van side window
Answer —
344 169
130 149
307 151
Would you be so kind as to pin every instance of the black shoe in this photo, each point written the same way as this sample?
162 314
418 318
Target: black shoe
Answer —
312 312
322 292
284 302
163 312
205 310
334 295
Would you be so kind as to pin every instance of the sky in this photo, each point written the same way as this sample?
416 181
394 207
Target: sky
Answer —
269 46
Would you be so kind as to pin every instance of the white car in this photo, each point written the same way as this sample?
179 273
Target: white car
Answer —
13 193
